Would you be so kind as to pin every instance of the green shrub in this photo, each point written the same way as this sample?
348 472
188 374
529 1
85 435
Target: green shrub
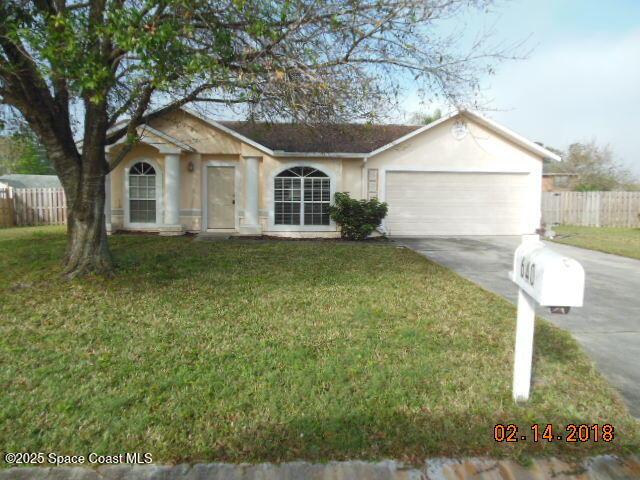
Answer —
357 218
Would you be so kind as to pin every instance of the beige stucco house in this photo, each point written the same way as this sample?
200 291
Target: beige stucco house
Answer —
461 175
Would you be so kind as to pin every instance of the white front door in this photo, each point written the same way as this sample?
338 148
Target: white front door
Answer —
221 198
453 203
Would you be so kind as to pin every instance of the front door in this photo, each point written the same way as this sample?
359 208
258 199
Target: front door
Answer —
221 198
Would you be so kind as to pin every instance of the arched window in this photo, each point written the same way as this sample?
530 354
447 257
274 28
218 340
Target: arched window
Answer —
302 196
142 193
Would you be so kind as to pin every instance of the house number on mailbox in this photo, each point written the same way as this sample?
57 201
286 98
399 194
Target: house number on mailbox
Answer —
528 271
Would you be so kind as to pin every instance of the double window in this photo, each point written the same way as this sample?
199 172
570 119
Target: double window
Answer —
142 193
302 196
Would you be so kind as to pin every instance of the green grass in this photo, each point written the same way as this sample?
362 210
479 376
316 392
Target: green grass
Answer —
619 241
249 351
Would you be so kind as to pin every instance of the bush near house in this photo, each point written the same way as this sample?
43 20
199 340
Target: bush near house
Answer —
357 218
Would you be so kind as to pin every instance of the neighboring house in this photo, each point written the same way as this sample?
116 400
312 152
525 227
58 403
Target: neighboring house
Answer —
460 175
558 182
29 181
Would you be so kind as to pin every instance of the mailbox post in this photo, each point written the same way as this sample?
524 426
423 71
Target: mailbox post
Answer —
549 279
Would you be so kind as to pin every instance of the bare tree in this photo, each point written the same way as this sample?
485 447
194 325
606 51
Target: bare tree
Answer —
72 63
595 167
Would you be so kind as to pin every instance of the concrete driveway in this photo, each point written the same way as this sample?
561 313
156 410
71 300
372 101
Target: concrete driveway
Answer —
607 327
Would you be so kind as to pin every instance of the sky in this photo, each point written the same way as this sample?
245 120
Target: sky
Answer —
581 80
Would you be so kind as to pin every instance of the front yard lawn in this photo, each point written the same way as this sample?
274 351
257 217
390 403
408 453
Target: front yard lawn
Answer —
619 241
251 351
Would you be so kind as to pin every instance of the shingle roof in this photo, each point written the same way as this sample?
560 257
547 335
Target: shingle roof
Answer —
331 138
31 181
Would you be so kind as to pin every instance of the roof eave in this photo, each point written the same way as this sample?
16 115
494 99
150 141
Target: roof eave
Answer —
506 132
280 153
410 135
229 131
165 136
511 135
145 131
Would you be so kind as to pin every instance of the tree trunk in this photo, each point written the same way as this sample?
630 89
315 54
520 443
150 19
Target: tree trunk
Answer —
87 247
82 175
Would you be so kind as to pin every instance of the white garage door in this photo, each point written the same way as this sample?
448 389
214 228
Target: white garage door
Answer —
428 203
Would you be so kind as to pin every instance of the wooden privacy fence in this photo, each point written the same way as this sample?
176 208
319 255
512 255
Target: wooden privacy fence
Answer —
591 209
32 206
7 218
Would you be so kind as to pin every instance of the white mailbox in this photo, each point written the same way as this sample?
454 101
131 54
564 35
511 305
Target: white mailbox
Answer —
550 279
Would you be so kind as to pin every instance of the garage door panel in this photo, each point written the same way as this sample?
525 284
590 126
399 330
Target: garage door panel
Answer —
471 186
461 178
475 185
459 210
435 222
459 216
497 195
435 203
461 188
453 230
499 192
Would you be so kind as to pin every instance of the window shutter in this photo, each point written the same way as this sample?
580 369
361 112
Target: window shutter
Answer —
372 182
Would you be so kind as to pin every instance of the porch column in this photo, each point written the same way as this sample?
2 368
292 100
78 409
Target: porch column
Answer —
172 195
251 223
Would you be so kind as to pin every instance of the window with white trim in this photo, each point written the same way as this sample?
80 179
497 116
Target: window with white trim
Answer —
302 196
142 193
